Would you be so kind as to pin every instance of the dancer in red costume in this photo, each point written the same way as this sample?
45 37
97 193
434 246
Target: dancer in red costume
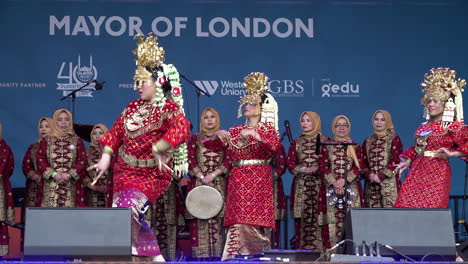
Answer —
441 137
249 205
142 135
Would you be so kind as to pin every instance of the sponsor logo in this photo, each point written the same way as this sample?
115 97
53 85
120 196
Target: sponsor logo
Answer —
278 88
71 77
347 89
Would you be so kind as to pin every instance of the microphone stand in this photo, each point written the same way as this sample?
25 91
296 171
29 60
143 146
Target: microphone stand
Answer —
73 95
198 91
345 146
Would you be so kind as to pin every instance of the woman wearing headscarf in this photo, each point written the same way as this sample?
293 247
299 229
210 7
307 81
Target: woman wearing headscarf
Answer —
250 212
33 178
307 190
381 151
340 166
61 161
441 137
206 166
7 210
96 194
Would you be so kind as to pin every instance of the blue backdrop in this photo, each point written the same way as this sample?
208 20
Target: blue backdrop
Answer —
332 57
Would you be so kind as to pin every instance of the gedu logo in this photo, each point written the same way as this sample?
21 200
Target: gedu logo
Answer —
331 89
73 77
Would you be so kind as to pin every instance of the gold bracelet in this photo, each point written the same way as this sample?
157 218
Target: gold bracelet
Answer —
108 150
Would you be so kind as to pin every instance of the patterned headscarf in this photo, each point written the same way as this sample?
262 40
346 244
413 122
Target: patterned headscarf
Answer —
59 133
51 125
350 149
389 128
103 128
316 123
216 114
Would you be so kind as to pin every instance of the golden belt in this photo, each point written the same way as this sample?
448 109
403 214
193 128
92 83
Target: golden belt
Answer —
134 162
432 154
240 163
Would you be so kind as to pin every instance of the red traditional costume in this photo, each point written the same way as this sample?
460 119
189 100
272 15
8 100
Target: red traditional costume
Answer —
63 152
7 212
94 152
165 216
427 185
381 152
30 169
308 204
249 204
336 162
145 131
278 164
206 235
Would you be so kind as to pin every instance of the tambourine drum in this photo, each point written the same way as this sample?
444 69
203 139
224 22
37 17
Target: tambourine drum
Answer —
204 202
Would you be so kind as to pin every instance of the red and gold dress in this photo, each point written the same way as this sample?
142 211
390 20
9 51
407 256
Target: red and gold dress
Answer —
139 126
278 164
165 216
62 154
29 170
427 185
333 163
249 200
307 194
206 236
7 211
380 155
95 198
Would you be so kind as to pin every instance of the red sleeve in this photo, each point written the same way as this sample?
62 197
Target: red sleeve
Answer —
395 152
409 153
178 130
79 169
365 170
192 156
43 167
280 161
7 162
113 138
292 158
270 139
461 139
354 169
28 165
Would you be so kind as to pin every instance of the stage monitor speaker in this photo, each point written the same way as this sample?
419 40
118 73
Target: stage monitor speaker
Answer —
285 255
422 234
56 233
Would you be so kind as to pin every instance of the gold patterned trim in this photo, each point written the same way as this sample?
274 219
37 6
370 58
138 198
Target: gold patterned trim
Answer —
152 126
48 173
431 154
240 163
73 174
134 162
329 178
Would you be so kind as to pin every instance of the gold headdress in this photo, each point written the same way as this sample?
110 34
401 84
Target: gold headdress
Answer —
150 63
256 85
441 84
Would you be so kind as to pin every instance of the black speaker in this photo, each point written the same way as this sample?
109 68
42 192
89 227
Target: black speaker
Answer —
421 234
62 233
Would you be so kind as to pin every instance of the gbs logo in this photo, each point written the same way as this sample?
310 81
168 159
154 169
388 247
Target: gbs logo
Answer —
339 90
286 87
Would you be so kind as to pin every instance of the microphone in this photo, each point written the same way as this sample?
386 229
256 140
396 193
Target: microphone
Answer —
317 145
98 85
288 130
